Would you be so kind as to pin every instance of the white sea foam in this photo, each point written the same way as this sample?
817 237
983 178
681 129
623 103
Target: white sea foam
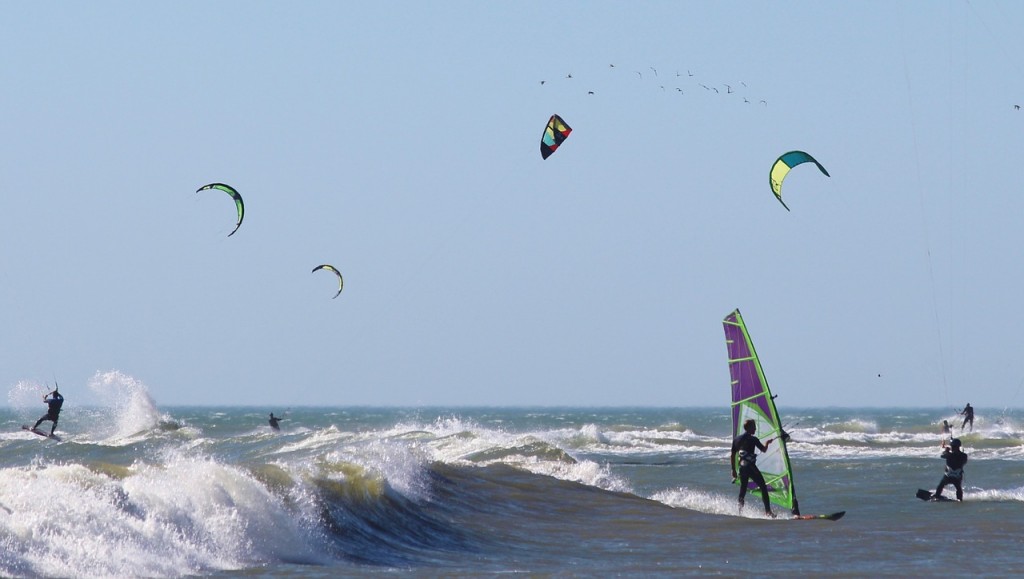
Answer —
459 441
591 437
127 411
454 439
585 472
852 425
187 516
322 439
26 395
711 503
996 495
403 466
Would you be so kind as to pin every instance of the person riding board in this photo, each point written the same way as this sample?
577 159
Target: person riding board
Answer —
954 475
55 401
744 446
274 421
968 414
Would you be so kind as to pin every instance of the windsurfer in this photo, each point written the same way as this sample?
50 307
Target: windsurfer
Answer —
954 475
744 445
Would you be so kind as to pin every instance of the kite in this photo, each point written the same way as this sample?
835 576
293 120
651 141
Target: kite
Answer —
782 166
341 282
556 132
234 195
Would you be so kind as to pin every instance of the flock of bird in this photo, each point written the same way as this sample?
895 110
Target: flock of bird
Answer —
680 83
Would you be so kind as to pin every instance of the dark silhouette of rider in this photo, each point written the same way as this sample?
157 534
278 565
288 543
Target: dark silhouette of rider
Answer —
947 428
274 420
55 401
954 475
968 414
744 445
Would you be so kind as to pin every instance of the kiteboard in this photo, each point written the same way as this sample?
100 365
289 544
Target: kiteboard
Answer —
831 517
39 432
928 496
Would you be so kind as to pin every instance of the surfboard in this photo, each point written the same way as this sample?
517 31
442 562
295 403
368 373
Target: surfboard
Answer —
39 432
928 496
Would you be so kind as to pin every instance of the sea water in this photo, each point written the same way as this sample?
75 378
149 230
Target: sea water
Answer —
134 489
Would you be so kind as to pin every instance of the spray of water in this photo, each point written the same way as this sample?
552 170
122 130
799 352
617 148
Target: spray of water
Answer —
126 406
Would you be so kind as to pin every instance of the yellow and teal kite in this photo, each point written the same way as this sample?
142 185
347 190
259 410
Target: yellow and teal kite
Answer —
341 282
234 195
554 133
782 166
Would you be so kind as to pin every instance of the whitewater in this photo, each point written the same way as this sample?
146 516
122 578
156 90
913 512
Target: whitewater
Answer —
135 489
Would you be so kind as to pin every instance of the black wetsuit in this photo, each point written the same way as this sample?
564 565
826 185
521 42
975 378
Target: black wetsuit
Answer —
273 422
968 413
955 461
744 446
55 401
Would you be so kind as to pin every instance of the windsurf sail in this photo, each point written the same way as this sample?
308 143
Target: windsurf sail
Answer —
751 398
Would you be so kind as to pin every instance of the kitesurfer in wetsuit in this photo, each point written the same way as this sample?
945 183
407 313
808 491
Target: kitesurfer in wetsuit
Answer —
947 430
968 414
955 461
744 445
274 420
55 401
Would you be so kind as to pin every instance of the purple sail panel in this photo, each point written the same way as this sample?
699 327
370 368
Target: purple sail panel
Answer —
743 370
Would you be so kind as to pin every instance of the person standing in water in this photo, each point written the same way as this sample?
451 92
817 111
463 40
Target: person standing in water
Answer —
954 475
55 401
744 446
274 421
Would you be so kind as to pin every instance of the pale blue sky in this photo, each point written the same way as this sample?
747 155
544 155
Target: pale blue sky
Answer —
399 141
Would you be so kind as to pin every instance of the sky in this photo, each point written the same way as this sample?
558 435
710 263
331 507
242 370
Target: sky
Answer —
399 141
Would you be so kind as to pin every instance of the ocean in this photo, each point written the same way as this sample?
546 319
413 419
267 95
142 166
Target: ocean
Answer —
137 490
